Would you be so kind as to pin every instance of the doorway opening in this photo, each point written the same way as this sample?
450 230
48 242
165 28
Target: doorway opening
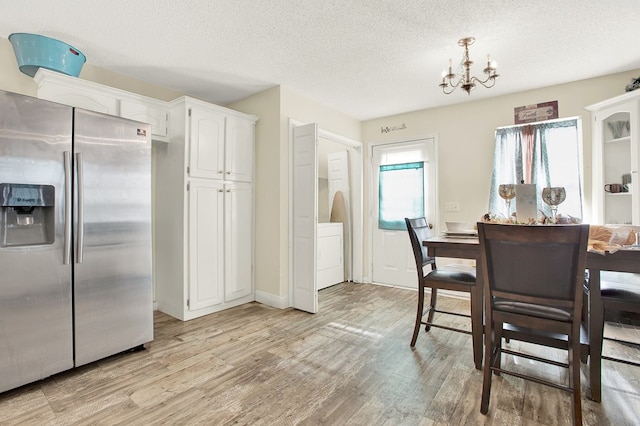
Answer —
312 201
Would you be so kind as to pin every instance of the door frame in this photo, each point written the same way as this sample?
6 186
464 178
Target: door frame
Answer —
432 198
357 205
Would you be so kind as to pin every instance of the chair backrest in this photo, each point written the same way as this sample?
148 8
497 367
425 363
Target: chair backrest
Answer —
534 264
419 231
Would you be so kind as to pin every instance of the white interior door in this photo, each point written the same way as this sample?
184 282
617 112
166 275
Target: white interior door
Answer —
392 256
304 206
338 167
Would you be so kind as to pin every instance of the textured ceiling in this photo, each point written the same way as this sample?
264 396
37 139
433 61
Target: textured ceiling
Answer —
365 58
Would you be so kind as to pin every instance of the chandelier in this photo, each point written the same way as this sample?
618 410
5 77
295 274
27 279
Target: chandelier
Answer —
465 80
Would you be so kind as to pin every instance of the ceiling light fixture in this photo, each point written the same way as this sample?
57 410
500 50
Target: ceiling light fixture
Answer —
465 81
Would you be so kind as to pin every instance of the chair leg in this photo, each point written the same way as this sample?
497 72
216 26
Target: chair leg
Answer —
574 379
432 308
497 337
584 351
419 314
486 372
477 329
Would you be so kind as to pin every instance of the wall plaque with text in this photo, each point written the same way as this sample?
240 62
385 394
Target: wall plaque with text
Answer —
535 112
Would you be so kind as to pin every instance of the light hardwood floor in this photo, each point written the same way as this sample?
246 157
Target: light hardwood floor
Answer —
350 364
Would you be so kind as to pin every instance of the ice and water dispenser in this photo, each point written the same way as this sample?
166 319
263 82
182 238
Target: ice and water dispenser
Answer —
27 215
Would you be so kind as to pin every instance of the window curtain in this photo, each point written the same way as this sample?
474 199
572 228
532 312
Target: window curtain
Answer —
401 194
545 154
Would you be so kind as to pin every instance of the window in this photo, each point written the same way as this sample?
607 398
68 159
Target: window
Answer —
546 154
401 194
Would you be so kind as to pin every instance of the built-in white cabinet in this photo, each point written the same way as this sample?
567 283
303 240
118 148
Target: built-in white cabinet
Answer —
616 159
204 251
148 111
221 145
68 90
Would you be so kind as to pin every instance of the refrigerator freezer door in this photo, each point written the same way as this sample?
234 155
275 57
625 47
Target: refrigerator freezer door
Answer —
35 286
113 309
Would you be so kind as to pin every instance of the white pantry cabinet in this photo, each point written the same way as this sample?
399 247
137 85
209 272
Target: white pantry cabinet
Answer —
204 215
73 91
616 153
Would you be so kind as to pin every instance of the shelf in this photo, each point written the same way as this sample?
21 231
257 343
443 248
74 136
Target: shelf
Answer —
614 158
619 140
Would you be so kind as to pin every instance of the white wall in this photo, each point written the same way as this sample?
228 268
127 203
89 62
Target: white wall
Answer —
275 107
466 138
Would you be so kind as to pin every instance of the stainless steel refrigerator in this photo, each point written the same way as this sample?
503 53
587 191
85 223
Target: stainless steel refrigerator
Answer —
75 237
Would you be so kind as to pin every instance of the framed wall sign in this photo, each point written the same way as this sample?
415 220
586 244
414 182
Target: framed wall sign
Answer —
535 112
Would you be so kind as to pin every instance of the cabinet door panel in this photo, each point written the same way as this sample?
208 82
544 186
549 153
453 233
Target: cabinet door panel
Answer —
238 241
239 150
152 114
80 98
206 144
206 244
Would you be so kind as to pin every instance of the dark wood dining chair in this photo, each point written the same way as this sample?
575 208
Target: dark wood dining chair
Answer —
451 277
533 277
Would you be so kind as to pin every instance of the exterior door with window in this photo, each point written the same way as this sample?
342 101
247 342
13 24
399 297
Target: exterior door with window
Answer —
403 183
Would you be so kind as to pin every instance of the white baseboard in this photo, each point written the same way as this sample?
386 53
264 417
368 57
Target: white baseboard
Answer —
280 302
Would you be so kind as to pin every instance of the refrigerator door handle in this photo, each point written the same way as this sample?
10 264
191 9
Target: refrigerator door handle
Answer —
67 208
80 181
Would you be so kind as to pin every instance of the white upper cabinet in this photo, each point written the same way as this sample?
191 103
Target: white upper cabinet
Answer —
221 145
148 111
616 158
239 150
78 93
73 91
206 141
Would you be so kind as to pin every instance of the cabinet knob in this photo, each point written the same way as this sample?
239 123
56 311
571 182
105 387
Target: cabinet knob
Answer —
228 173
220 190
228 190
220 172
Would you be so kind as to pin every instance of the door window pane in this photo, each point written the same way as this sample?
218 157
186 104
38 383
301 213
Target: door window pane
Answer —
401 194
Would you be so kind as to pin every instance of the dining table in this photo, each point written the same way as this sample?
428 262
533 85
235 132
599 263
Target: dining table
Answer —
622 260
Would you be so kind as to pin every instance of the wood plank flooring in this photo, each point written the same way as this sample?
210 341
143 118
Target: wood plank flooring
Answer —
350 364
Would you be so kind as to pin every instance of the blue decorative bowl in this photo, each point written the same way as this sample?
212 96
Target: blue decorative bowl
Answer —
34 51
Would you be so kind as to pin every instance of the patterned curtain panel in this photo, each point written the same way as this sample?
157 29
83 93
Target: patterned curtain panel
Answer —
545 154
401 194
